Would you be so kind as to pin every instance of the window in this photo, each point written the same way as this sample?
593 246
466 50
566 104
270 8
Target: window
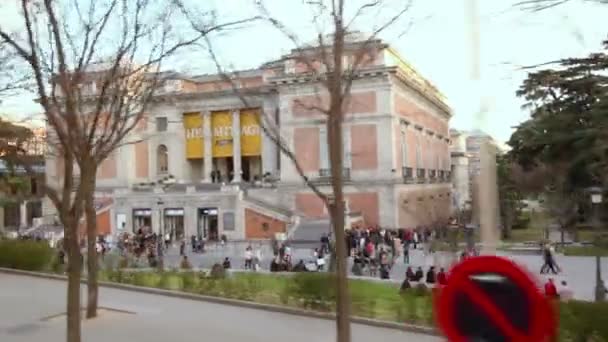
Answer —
323 150
228 221
173 85
290 66
162 159
347 162
403 144
418 152
161 124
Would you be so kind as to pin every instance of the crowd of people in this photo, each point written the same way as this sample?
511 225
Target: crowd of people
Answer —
375 251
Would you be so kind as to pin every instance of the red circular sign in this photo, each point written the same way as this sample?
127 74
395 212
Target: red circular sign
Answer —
542 325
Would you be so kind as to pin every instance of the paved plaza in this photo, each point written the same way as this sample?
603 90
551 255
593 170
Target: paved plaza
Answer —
24 301
579 272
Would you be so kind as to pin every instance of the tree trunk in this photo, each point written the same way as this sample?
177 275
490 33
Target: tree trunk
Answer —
92 262
74 274
337 211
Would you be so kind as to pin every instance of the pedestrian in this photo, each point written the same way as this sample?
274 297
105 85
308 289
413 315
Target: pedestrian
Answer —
548 261
406 253
248 258
320 262
167 240
182 248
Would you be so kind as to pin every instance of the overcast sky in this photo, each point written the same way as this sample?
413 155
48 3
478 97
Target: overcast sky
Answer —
435 38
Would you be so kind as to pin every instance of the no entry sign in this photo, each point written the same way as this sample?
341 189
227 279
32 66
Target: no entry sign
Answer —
491 299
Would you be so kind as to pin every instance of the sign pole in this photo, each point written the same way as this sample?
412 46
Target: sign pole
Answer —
487 192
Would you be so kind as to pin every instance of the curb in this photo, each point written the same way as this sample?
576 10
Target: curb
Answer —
240 303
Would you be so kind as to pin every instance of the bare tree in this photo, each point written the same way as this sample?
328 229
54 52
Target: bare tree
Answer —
96 66
541 5
332 62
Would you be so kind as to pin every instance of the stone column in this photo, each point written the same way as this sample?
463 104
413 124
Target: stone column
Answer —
23 214
208 144
488 200
236 145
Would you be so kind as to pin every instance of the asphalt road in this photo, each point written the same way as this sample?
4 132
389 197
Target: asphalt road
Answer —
24 301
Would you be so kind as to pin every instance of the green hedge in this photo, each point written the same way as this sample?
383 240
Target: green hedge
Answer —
25 255
579 321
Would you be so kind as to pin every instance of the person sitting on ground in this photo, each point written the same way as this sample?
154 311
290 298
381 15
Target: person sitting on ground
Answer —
550 289
409 274
419 274
226 263
357 269
442 278
274 265
565 293
430 275
185 264
384 272
300 267
405 285
373 268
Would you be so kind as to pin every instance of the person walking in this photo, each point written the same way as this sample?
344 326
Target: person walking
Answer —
406 253
248 258
549 262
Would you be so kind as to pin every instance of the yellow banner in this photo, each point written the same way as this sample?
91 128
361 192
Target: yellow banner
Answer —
193 126
221 122
251 139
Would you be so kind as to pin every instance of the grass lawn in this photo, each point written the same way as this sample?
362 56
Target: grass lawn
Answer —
534 232
585 251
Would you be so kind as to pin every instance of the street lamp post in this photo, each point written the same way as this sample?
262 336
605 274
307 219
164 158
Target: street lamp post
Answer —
596 200
160 238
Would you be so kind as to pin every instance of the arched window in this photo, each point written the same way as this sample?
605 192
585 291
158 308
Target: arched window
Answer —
162 159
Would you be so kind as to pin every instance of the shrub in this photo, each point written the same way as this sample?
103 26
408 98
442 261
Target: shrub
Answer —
185 264
316 290
170 281
363 306
57 267
208 286
245 287
217 272
123 263
189 281
421 290
146 279
25 255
